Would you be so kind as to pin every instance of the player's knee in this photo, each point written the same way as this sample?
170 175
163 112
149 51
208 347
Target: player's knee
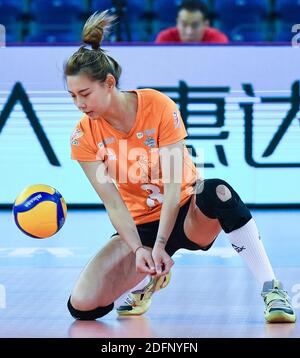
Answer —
218 200
211 193
91 314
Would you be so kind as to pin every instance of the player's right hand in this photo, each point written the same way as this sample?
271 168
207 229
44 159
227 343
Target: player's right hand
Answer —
144 262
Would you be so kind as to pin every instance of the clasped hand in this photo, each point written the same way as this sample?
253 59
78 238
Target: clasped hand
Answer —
156 262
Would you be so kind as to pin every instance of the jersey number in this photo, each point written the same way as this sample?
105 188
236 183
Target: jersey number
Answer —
155 194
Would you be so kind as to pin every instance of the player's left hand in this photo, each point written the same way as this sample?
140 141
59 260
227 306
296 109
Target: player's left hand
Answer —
162 261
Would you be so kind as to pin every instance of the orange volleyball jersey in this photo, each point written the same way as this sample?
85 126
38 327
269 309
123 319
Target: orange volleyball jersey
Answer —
132 159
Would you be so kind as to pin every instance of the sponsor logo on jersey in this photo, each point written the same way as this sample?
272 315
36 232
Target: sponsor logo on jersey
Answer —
176 120
109 140
76 134
146 132
149 131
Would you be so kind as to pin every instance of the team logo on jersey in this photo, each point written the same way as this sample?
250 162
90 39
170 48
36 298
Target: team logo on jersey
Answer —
100 145
176 120
140 135
150 142
75 135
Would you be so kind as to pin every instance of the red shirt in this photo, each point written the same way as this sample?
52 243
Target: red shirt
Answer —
210 35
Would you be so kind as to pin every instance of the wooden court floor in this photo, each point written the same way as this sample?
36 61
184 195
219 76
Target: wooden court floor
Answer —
211 294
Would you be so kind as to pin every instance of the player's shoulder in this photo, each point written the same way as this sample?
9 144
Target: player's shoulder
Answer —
81 128
152 95
84 123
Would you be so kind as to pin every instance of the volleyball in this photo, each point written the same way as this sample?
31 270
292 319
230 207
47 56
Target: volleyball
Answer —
40 211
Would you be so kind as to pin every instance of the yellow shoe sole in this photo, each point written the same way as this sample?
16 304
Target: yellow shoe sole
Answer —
280 317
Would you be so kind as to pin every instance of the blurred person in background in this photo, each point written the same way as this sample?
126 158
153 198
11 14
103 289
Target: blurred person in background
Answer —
192 26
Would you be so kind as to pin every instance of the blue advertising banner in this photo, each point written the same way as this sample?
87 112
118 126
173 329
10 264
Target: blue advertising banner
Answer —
240 106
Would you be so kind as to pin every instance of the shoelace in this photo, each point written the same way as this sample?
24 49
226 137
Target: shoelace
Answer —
283 296
149 288
130 299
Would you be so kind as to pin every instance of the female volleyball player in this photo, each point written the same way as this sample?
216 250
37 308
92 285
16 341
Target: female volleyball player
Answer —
131 147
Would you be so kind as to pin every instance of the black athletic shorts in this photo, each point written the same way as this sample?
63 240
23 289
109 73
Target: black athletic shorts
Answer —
177 239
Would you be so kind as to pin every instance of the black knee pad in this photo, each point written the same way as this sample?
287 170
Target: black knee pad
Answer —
89 315
218 200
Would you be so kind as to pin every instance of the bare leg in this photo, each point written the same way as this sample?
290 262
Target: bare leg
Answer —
106 277
198 227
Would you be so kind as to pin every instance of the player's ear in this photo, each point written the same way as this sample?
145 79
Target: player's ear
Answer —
110 81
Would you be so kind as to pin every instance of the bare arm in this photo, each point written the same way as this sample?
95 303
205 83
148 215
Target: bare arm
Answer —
172 170
118 213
